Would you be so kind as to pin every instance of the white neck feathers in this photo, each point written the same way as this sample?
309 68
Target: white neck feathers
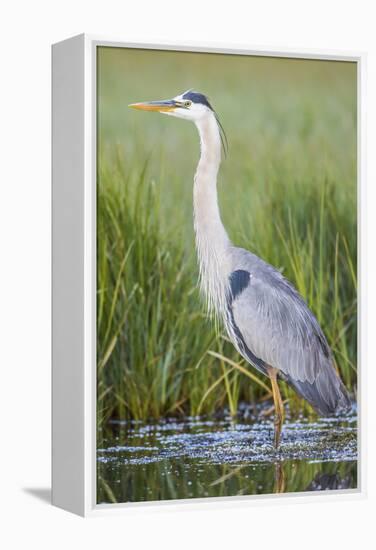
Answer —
212 241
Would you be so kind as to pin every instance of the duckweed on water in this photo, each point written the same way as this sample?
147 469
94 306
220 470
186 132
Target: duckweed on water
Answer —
234 458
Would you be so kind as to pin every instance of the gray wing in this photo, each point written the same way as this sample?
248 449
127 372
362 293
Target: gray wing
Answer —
272 325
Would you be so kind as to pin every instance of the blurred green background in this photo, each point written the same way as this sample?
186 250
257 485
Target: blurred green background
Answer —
287 192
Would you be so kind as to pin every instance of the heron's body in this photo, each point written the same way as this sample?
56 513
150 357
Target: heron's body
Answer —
265 317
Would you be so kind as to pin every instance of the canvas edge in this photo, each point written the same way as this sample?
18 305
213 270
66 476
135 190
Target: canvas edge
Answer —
68 382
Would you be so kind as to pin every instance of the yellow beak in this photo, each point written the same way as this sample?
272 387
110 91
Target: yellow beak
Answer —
159 106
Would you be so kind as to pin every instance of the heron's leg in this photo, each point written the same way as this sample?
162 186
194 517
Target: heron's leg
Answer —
278 406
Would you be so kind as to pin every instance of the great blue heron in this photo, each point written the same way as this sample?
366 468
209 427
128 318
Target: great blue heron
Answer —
266 319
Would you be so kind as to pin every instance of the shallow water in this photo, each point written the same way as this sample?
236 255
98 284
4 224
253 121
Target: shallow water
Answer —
198 457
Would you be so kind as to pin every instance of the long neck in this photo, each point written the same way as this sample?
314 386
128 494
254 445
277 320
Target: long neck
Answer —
212 241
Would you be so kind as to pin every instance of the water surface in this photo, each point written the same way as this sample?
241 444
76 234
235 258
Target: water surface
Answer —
198 457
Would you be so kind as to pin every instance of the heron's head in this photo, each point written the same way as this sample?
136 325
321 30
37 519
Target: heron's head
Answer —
189 105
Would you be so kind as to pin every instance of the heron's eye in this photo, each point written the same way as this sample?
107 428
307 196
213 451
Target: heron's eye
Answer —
187 103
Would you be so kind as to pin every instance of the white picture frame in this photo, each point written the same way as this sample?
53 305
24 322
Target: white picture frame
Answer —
74 274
